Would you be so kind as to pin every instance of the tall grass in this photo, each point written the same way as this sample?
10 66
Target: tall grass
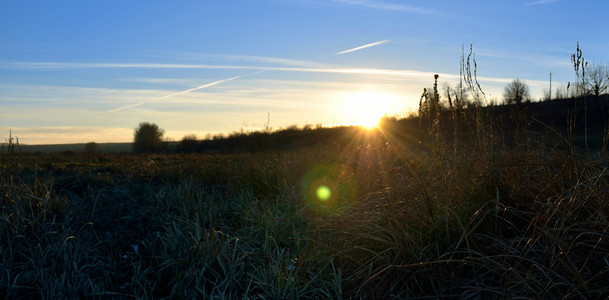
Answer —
524 221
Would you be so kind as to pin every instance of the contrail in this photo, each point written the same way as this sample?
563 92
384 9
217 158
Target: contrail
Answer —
363 47
540 2
180 93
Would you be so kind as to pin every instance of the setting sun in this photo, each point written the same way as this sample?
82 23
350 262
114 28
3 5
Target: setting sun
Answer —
366 108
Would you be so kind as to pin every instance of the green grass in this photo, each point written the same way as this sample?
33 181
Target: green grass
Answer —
410 215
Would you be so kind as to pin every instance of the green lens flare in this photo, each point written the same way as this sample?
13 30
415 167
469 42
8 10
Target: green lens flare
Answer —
323 193
329 189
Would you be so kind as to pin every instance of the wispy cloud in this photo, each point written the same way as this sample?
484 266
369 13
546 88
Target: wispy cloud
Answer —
158 80
540 2
64 65
234 59
386 6
548 59
251 58
63 96
329 70
363 47
179 93
334 70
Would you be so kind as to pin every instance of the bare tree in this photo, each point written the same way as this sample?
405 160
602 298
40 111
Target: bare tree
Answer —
516 92
561 91
598 78
547 96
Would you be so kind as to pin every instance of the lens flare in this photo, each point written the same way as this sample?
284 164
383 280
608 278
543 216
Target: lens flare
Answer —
329 189
323 193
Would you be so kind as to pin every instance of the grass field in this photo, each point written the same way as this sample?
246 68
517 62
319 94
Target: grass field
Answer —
103 147
402 212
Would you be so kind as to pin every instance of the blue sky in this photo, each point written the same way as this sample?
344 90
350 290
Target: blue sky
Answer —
81 71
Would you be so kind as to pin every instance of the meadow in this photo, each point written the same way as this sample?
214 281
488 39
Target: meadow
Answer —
459 205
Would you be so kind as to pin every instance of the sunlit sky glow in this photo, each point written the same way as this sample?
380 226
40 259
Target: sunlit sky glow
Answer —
81 71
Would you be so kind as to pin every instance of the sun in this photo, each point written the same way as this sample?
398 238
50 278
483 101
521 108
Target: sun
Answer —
366 108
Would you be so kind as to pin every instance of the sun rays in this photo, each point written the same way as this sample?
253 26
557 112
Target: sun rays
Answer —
366 108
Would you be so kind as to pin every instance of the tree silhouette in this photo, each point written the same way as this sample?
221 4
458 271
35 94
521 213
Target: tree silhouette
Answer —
189 143
516 92
148 138
598 78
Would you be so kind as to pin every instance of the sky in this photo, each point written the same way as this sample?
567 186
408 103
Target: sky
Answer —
83 71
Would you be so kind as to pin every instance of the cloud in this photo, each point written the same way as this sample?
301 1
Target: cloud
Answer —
63 65
273 61
159 80
179 93
540 2
328 70
289 66
363 47
252 58
544 60
333 69
381 5
64 96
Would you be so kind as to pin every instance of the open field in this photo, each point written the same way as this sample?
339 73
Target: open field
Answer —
383 214
102 147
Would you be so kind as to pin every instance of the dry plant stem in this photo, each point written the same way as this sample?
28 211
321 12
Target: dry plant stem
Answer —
579 63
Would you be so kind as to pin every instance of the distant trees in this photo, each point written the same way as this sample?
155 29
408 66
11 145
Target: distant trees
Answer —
148 137
189 143
516 92
91 148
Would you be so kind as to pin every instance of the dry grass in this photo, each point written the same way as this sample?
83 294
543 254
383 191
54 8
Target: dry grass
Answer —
528 221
